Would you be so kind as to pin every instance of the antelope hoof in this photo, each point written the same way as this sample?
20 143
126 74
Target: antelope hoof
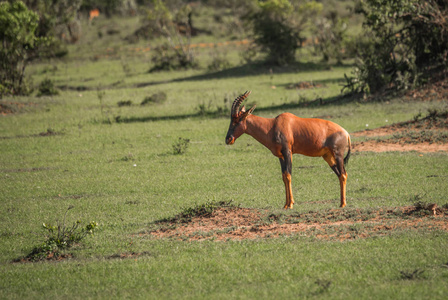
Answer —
343 205
288 206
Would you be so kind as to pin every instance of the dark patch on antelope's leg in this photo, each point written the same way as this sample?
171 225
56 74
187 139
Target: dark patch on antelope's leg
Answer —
336 170
342 179
286 163
336 163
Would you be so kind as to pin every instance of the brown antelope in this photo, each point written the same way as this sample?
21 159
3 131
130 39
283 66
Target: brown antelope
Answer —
94 13
287 134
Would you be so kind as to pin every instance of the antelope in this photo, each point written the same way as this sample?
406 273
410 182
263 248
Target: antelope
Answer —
93 14
287 134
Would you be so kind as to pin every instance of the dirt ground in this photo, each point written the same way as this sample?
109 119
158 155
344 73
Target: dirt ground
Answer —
428 134
234 223
422 134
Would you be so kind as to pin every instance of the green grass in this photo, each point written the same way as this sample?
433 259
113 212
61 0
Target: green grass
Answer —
125 177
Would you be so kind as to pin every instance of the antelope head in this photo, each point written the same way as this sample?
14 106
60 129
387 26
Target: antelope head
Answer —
238 119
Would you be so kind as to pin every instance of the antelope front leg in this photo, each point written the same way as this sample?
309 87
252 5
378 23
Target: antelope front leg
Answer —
286 163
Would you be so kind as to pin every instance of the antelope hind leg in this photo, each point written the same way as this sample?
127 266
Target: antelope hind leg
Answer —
288 190
338 168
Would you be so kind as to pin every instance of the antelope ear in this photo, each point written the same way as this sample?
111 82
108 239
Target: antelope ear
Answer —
247 113
243 109
251 110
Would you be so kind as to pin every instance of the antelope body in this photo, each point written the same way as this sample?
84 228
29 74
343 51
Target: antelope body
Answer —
287 134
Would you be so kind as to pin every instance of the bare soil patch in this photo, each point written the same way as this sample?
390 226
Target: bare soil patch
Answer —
8 107
235 223
128 255
304 85
51 256
378 146
428 134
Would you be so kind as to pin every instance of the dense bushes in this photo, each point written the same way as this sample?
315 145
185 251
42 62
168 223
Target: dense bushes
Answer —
18 35
406 41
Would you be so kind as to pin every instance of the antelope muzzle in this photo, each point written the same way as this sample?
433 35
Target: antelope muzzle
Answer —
230 139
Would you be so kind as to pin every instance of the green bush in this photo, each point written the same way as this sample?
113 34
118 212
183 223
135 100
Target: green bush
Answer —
273 33
167 58
331 36
46 88
277 25
156 98
18 43
181 146
124 103
172 21
407 43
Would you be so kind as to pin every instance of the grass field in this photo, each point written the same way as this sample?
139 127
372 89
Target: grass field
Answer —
116 166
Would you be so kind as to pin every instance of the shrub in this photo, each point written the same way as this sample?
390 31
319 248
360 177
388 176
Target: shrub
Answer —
408 41
173 22
273 33
46 88
18 35
276 26
124 103
181 146
331 34
167 58
156 98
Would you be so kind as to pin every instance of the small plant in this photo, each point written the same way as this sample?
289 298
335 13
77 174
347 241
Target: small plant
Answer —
46 88
411 275
417 117
126 68
204 109
156 98
128 157
181 146
59 237
323 286
100 94
124 103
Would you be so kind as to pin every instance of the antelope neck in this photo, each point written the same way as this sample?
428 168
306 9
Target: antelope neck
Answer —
259 128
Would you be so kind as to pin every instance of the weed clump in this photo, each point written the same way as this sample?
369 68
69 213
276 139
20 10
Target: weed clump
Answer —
156 98
181 146
58 238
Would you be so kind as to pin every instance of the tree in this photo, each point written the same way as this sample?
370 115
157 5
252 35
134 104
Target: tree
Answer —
174 25
57 18
330 34
18 43
277 25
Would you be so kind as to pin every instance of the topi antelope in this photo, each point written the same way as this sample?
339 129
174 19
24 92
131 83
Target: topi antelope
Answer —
287 134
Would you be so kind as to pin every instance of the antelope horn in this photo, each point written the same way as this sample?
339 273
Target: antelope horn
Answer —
236 104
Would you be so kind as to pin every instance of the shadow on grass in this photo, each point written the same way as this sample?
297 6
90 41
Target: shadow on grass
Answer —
246 70
335 100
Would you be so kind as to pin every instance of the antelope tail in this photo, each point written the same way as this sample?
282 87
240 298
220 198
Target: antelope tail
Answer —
347 157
